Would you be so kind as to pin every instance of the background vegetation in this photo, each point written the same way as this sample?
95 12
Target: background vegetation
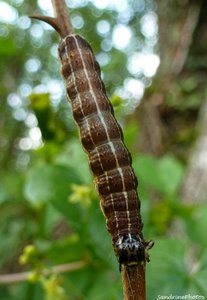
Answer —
49 210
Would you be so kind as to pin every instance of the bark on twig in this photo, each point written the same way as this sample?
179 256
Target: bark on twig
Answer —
133 278
61 22
62 17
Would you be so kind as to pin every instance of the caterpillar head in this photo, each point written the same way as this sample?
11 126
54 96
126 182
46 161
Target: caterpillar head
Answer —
132 250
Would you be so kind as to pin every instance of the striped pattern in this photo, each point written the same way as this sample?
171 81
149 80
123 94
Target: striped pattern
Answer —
102 138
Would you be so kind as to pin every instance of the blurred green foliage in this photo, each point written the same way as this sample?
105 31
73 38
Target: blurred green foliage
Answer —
47 198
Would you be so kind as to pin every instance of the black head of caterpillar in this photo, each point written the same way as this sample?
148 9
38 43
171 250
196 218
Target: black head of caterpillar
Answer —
132 250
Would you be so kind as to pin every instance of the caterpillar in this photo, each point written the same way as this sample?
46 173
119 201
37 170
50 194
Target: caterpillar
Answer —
102 139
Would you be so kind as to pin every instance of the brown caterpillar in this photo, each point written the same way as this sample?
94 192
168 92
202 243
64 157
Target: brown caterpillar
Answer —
102 138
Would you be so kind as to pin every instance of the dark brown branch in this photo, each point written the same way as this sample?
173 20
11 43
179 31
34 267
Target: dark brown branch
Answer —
61 22
133 278
62 16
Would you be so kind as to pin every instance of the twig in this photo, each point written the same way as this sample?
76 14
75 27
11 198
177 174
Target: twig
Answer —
61 22
133 278
23 276
62 17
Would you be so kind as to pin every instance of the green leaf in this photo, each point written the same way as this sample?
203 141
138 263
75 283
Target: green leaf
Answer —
47 183
75 157
196 226
164 174
131 131
171 174
166 273
92 283
50 183
66 249
98 292
10 186
8 48
146 168
100 244
197 284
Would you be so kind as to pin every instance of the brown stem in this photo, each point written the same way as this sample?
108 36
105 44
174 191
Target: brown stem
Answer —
62 16
133 278
61 22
